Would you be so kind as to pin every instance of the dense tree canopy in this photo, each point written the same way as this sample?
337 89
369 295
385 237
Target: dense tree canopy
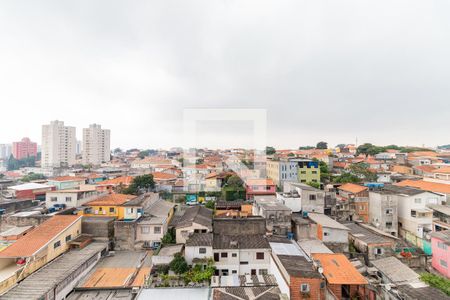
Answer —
270 150
140 184
322 145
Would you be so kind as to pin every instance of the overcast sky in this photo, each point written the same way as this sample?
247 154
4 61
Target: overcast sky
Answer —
323 70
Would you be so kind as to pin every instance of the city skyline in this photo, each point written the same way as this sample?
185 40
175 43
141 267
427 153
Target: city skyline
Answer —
322 72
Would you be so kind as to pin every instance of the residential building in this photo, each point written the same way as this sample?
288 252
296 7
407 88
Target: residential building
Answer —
440 244
371 241
259 187
398 281
5 151
66 182
233 208
152 227
37 248
276 214
31 190
302 197
245 287
196 219
414 217
96 145
342 279
56 280
353 202
308 171
293 169
383 211
199 248
440 175
58 145
319 226
296 275
240 246
23 149
70 198
441 217
112 205
435 187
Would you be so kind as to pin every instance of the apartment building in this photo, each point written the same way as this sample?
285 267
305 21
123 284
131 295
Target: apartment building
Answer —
23 149
96 145
353 202
5 151
293 169
58 145
383 205
240 246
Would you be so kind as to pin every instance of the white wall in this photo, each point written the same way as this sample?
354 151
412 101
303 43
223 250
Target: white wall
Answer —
191 252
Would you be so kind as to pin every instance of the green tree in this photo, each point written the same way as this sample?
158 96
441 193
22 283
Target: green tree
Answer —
210 204
305 147
322 145
33 176
436 281
347 178
169 237
234 181
361 170
270 150
179 264
314 184
140 184
117 151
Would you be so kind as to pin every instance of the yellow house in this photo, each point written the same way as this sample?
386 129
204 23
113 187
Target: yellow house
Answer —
37 248
119 206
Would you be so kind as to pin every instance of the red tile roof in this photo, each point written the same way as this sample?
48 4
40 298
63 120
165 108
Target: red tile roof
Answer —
124 180
426 186
444 170
39 237
67 178
159 176
352 188
110 200
264 182
337 269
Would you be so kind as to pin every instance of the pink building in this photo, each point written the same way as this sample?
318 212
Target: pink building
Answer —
259 187
23 149
440 245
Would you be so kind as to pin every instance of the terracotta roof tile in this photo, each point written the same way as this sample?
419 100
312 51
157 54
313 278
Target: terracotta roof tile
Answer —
352 188
39 237
337 269
110 200
125 180
426 186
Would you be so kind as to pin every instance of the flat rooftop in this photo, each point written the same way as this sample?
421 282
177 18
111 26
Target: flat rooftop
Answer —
38 284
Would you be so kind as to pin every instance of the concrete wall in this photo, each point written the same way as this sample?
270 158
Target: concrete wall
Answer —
191 252
125 235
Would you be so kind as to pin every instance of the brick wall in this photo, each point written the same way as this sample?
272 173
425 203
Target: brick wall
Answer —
314 288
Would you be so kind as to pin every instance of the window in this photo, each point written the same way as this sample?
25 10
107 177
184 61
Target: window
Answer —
259 255
57 244
244 262
417 200
443 263
314 180
312 197
201 250
145 229
303 180
442 245
326 233
68 238
389 211
216 256
157 230
100 208
68 199
303 172
262 272
225 272
224 254
413 213
233 254
112 210
53 199
304 288
234 272
314 172
378 251
388 224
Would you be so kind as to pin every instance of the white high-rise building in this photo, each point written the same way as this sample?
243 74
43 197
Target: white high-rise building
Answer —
96 145
5 151
58 145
